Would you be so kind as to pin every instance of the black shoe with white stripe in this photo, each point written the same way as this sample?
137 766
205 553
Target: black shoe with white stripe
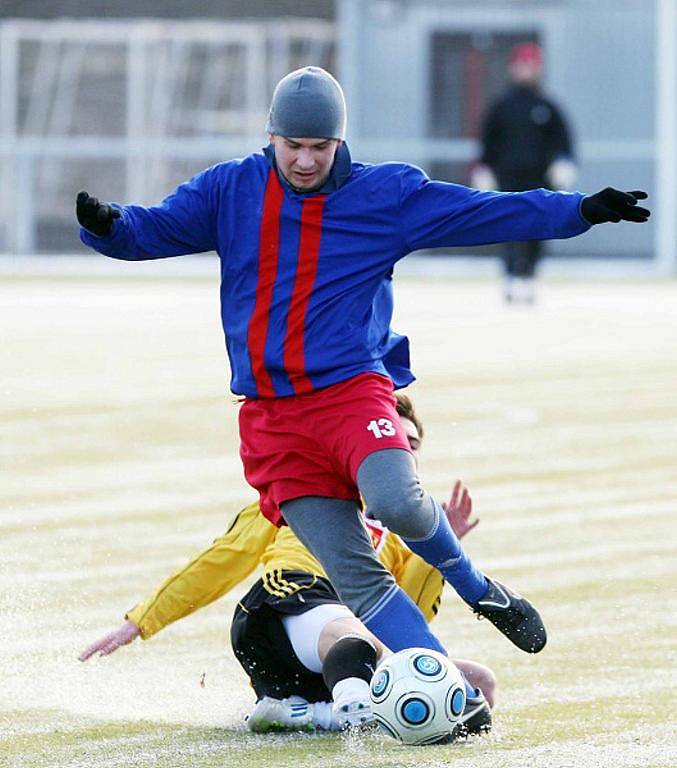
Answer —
512 615
476 717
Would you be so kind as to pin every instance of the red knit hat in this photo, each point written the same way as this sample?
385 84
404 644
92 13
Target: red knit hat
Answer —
530 53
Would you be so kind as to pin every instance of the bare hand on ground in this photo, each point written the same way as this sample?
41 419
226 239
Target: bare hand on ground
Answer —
123 635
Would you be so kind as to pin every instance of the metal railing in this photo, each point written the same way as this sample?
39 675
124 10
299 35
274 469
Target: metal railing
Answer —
130 108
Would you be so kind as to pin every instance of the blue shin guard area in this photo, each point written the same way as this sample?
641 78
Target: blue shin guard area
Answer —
442 549
398 623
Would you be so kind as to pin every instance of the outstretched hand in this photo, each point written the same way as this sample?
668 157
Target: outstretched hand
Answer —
613 205
106 645
95 216
458 510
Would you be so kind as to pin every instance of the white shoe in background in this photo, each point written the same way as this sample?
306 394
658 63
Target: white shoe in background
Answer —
281 715
519 290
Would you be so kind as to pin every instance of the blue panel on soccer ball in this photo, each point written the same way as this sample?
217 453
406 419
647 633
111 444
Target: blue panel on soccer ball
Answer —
427 665
415 711
457 702
380 682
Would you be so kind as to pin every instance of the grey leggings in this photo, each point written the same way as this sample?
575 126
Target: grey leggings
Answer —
332 529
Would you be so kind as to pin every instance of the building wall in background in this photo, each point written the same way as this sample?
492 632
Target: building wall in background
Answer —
165 9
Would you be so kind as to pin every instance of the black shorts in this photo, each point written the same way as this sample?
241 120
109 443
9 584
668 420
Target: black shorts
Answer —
260 642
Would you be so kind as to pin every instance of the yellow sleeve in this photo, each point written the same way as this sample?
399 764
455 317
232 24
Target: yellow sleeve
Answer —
215 571
420 581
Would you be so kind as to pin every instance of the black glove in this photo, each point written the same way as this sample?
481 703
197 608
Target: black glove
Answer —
613 205
95 216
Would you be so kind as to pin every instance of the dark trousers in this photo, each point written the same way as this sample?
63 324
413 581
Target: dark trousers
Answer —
520 258
260 642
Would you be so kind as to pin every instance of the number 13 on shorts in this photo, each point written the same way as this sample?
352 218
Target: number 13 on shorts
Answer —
381 428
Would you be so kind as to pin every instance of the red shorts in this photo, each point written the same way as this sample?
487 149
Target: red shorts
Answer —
312 445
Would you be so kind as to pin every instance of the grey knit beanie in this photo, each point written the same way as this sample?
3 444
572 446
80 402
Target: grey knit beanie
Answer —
308 103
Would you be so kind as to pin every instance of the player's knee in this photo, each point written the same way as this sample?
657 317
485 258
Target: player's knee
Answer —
402 510
489 687
393 494
485 679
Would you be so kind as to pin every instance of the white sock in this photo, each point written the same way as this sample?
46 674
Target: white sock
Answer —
350 688
322 714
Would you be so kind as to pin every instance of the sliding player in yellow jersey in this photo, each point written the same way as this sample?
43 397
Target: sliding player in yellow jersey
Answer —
307 656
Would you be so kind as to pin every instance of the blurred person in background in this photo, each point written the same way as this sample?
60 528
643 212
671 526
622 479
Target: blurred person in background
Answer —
526 144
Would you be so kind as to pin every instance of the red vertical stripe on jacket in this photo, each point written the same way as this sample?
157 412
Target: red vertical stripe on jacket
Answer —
269 245
309 251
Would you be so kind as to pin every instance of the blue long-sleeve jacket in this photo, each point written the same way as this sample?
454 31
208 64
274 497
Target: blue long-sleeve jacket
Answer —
306 294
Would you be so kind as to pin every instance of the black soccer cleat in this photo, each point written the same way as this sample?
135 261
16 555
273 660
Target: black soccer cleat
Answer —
512 615
476 717
475 720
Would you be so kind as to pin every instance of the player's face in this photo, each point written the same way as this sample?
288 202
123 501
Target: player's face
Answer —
413 438
526 72
305 163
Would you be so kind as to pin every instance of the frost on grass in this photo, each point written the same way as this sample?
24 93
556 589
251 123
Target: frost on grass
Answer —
120 461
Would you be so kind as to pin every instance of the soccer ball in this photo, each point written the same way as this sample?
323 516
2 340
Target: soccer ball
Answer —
418 696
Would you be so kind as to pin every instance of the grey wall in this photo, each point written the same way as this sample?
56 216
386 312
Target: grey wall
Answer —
221 9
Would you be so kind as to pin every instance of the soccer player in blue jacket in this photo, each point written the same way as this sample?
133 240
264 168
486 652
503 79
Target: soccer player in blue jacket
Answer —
308 240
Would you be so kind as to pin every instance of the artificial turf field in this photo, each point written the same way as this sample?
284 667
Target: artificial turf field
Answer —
119 461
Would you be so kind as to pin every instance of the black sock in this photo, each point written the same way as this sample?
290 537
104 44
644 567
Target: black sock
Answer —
350 656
